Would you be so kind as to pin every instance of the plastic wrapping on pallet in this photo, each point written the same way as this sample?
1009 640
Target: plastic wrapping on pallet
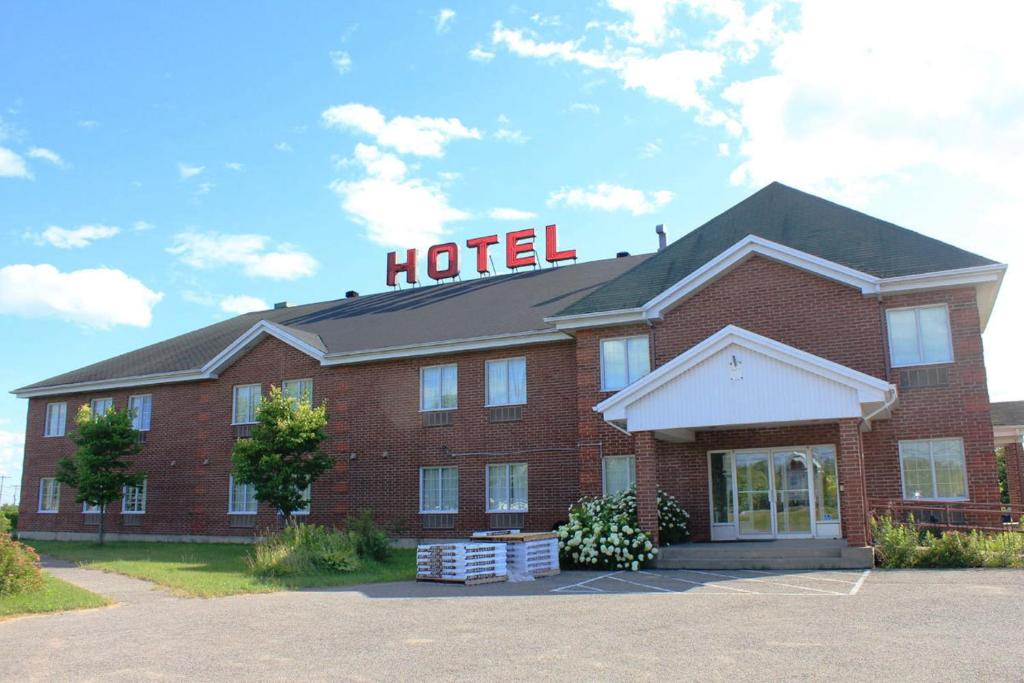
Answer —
461 562
528 555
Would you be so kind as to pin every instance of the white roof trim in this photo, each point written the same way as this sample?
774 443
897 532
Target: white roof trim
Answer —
238 347
869 389
443 347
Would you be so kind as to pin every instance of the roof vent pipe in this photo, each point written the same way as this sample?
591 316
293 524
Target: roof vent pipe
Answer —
662 238
622 254
351 294
281 304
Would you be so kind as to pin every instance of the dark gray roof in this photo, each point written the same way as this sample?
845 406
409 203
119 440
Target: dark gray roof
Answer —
499 305
793 218
1008 413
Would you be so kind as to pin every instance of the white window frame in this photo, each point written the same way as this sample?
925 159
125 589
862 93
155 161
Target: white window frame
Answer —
451 511
931 460
508 475
286 382
145 496
917 325
604 472
93 402
231 498
138 417
308 495
629 380
234 402
90 509
487 381
435 367
54 498
62 406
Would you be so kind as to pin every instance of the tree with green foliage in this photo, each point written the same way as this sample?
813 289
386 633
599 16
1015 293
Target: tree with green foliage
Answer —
99 468
282 458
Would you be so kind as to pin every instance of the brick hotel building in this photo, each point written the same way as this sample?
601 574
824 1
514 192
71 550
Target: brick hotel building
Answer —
783 370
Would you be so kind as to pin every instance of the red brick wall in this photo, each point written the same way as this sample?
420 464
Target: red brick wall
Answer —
1014 455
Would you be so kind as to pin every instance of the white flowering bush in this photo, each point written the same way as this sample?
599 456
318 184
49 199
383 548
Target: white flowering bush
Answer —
673 520
603 532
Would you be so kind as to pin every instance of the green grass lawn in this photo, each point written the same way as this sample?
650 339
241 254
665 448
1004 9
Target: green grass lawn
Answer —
212 569
54 596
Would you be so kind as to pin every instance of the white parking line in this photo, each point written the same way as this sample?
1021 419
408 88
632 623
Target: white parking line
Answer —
860 582
803 576
775 583
697 583
643 585
583 584
589 587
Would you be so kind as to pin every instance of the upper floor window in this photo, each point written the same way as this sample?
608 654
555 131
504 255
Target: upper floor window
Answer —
439 387
100 406
919 336
506 382
133 499
507 488
623 361
618 473
56 419
439 490
298 389
142 411
49 495
933 469
241 498
246 398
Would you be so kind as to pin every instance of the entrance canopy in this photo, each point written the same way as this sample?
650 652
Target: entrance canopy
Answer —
737 378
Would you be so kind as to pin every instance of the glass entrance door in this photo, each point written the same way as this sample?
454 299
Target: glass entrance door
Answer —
792 493
754 494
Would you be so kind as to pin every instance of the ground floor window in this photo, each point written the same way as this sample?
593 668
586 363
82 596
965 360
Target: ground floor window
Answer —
507 488
88 509
439 490
307 496
133 501
241 498
49 495
933 469
618 473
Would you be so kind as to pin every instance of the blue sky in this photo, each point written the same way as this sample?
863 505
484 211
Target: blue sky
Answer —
164 165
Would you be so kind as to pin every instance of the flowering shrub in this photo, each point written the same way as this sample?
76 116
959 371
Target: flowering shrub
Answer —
673 520
19 567
603 532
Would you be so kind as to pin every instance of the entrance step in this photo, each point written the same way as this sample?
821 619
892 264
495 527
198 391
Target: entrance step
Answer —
787 554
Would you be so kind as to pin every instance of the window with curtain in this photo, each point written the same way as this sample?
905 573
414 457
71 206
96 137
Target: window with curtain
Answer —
439 387
619 473
507 488
439 490
133 499
142 411
241 498
623 361
56 419
100 406
307 495
298 389
49 495
933 469
919 336
506 382
246 398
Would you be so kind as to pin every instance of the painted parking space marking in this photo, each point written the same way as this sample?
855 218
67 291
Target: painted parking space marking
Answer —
701 582
765 580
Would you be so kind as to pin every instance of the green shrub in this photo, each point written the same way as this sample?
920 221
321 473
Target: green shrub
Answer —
952 550
19 567
1002 550
370 541
673 520
9 513
301 549
5 525
904 545
895 544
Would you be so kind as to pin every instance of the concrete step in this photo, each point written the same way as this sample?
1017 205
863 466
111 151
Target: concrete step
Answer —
727 551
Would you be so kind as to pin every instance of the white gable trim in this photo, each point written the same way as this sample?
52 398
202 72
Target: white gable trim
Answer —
240 345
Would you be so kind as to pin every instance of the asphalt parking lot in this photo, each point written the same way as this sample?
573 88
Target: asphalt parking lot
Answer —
883 625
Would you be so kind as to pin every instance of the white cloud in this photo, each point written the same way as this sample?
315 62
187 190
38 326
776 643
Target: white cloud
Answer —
648 22
12 164
256 254
610 197
233 166
342 61
77 238
242 304
204 188
142 226
505 214
87 124
189 171
419 135
284 147
546 20
479 54
93 297
46 155
443 20
650 150
585 106
395 209
12 455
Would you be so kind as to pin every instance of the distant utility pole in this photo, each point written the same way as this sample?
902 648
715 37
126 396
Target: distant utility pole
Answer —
2 478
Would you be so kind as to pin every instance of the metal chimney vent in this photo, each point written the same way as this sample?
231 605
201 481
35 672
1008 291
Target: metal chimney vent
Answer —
351 294
281 304
662 238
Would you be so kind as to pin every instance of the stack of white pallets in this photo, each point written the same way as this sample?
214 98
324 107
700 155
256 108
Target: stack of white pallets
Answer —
528 554
468 563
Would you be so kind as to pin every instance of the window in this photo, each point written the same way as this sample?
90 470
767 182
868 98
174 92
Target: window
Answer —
623 361
439 490
49 495
142 411
506 488
241 498
618 473
826 484
133 499
307 495
298 389
919 336
90 509
247 397
100 406
56 419
933 469
439 387
506 382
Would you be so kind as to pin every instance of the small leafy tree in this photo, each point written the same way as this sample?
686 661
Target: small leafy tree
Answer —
98 470
282 457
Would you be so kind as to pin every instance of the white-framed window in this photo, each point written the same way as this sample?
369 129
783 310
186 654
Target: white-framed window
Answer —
624 360
919 336
241 498
49 495
243 407
933 469
506 382
88 509
100 406
56 419
507 489
439 387
307 495
133 499
142 407
439 490
298 389
618 473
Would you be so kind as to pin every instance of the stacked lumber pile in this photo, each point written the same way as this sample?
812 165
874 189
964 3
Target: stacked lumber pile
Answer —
468 563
